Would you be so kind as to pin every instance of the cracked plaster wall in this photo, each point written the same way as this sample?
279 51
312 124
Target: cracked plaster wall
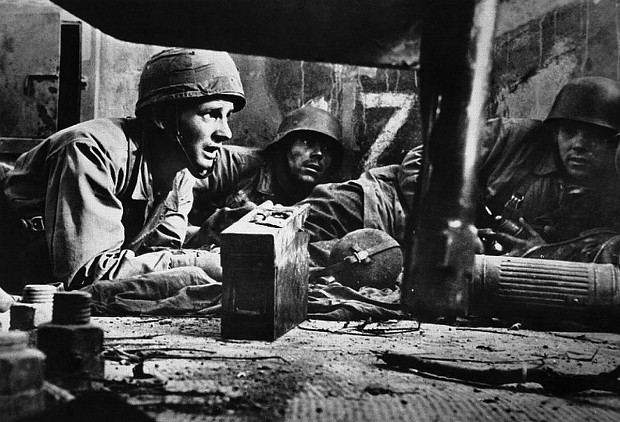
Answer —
542 45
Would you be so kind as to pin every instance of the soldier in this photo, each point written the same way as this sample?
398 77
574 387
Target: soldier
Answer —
551 181
558 176
380 198
109 198
306 151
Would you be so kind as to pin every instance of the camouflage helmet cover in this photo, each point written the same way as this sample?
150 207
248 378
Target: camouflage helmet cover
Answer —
177 73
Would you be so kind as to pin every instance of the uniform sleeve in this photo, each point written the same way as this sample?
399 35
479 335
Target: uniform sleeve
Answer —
509 147
235 163
172 228
335 210
83 217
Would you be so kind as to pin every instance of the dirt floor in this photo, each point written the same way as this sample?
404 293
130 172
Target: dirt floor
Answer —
180 369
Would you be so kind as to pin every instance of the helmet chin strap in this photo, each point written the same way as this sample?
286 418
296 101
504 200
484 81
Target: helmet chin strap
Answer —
178 137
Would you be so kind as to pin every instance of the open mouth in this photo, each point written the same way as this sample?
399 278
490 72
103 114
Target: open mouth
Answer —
579 161
315 167
211 153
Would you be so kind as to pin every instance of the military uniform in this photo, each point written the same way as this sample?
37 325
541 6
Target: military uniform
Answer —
519 174
379 199
250 176
96 222
109 198
242 174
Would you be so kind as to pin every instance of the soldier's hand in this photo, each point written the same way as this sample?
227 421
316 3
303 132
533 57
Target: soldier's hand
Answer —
512 245
232 215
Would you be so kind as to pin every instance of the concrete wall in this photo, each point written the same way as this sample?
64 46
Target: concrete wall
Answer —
542 45
378 107
534 60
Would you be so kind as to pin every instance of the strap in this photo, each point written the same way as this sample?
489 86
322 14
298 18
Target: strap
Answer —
508 200
33 224
357 257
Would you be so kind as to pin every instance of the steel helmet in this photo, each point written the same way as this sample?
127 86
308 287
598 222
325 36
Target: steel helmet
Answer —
178 73
366 257
312 119
590 99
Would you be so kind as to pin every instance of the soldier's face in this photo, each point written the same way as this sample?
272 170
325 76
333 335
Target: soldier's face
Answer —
309 157
587 151
203 126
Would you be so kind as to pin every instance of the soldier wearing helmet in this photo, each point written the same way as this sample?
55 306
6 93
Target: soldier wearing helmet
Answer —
308 147
541 184
109 198
306 151
558 175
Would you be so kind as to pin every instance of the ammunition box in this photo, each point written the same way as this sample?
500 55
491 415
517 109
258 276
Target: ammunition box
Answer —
264 259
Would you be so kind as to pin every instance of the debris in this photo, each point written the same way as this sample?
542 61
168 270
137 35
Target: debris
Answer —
141 355
145 337
377 390
492 331
368 328
489 348
547 377
59 395
152 375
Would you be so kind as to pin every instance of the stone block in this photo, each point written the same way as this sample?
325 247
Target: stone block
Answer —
21 371
21 368
18 406
71 350
28 316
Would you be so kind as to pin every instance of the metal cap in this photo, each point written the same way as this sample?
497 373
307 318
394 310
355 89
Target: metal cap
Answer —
313 119
591 99
176 74
373 259
310 119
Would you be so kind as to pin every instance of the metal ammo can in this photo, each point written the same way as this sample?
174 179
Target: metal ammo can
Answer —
265 273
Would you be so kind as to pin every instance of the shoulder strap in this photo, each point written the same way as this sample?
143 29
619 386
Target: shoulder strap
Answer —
521 144
509 206
355 258
507 200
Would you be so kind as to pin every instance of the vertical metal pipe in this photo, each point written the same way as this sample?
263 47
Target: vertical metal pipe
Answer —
455 63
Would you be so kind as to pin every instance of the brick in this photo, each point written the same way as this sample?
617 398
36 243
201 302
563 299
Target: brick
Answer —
28 316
